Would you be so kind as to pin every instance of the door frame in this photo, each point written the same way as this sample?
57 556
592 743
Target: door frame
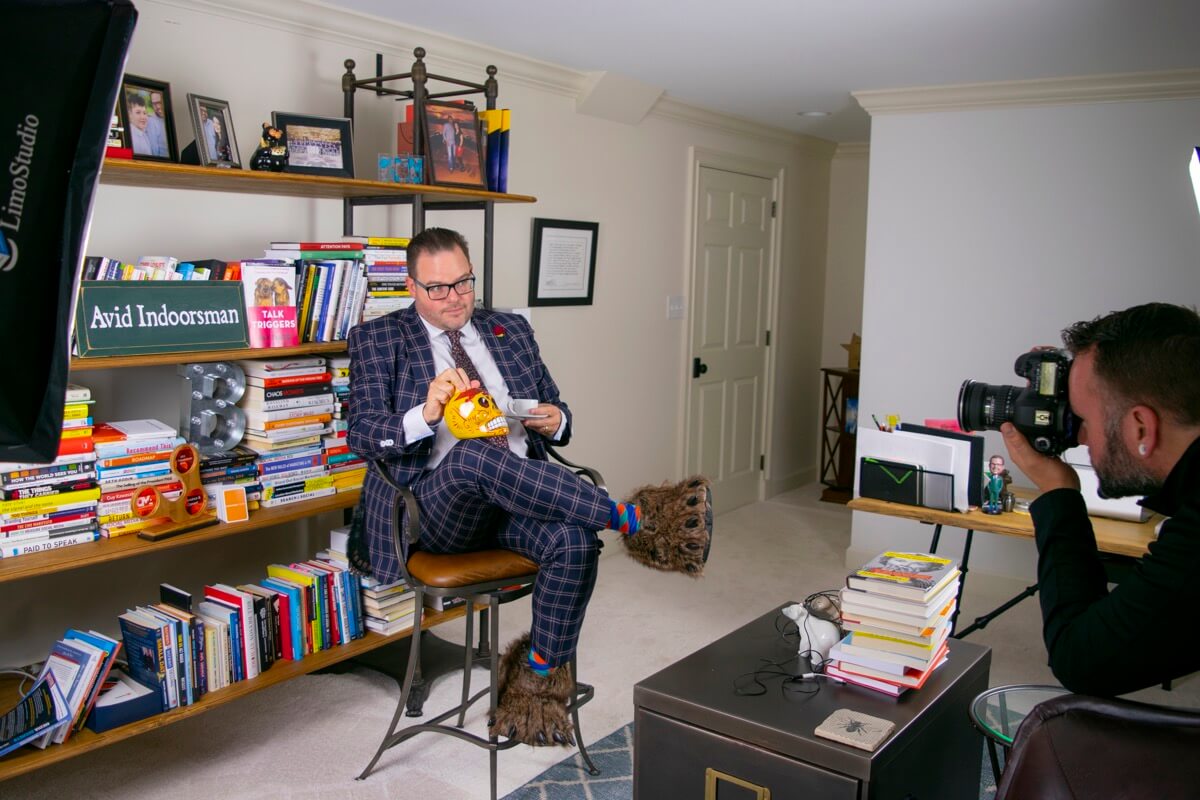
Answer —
699 157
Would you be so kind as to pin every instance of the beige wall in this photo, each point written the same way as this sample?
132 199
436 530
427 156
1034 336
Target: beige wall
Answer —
620 362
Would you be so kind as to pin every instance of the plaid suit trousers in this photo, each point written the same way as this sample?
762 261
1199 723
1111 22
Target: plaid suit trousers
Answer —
481 496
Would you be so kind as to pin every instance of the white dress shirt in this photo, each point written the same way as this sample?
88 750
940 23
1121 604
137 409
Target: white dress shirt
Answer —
415 427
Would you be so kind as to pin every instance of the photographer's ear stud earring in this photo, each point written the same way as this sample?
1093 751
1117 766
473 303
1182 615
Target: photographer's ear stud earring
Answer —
1142 449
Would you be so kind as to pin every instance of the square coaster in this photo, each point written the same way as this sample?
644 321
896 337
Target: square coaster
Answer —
855 729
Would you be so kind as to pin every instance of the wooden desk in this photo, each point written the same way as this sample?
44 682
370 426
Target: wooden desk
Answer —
1128 540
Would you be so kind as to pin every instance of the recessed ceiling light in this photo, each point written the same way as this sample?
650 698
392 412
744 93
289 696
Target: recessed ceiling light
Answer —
812 113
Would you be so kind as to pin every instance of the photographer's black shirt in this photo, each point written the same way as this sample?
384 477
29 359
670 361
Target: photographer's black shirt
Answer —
1141 633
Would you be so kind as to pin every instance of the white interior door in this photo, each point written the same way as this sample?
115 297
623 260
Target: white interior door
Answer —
730 278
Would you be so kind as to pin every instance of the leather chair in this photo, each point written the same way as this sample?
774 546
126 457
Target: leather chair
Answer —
1079 746
487 578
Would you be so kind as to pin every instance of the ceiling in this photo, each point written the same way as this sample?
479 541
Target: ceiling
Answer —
768 60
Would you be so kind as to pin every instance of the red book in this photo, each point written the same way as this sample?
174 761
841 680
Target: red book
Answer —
290 380
118 152
73 447
316 245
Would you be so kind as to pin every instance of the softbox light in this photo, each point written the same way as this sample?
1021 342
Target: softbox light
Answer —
60 70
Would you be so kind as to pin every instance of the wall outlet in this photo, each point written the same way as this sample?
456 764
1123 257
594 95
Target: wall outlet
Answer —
675 306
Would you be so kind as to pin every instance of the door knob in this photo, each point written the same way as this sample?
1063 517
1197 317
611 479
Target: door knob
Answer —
698 367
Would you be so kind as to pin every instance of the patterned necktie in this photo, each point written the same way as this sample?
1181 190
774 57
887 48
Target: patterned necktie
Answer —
461 359
463 362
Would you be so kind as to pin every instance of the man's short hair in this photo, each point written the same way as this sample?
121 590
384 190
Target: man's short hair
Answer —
435 240
1146 355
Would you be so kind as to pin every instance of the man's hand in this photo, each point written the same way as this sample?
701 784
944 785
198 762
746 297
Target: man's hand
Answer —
548 425
1046 472
443 387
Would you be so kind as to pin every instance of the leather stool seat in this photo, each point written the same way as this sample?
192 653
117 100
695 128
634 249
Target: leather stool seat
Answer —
455 570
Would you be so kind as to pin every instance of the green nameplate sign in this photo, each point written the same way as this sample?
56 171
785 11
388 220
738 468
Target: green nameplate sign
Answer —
128 318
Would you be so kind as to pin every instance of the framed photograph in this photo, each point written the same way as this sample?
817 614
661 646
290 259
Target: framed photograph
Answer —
453 153
144 108
317 145
563 268
216 146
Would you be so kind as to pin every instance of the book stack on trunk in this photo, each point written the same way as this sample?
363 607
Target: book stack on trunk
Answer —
131 454
236 467
289 409
346 468
897 612
47 506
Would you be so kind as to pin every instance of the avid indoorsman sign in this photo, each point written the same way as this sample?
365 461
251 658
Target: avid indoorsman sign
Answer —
140 317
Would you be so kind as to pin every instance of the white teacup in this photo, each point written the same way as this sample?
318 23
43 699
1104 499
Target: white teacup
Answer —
519 407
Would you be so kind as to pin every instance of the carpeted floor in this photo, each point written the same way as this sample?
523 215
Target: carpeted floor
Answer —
613 756
307 739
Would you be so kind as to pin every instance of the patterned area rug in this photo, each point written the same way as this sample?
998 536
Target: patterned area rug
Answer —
569 778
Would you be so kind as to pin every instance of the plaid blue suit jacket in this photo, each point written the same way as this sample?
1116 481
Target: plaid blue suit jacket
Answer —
391 367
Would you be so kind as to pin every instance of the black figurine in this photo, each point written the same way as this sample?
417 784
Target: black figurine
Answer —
272 153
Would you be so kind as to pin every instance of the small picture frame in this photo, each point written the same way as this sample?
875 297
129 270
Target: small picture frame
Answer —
317 145
212 124
146 115
562 271
453 153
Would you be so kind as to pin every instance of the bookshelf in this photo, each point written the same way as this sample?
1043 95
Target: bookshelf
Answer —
154 175
130 546
28 759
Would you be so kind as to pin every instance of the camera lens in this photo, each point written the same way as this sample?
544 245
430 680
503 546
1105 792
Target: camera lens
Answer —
982 406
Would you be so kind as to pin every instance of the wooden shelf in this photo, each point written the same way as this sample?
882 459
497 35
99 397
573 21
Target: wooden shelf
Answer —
79 364
129 546
29 758
150 174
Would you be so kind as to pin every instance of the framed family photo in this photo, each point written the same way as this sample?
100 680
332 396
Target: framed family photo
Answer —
453 153
212 124
562 271
147 120
317 145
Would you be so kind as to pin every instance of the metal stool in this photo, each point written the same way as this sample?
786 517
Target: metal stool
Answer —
493 577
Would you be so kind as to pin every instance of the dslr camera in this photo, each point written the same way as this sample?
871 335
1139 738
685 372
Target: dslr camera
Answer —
1040 410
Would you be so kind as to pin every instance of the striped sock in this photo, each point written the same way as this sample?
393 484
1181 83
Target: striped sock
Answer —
537 663
624 517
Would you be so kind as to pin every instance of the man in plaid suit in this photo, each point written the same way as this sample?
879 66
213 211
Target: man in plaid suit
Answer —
404 369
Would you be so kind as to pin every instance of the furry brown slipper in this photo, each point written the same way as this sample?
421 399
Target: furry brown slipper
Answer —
532 709
676 528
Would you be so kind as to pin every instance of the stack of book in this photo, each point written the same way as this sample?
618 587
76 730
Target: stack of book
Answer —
897 610
386 608
386 262
236 467
289 407
346 468
131 454
47 506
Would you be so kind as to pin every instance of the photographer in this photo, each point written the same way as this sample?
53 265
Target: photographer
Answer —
1135 386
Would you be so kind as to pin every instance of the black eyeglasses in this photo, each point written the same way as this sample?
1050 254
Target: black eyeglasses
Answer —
440 291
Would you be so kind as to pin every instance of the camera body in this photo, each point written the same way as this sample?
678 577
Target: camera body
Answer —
1040 411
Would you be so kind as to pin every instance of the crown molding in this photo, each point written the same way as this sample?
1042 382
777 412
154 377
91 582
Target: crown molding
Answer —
853 150
669 108
1171 85
318 20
